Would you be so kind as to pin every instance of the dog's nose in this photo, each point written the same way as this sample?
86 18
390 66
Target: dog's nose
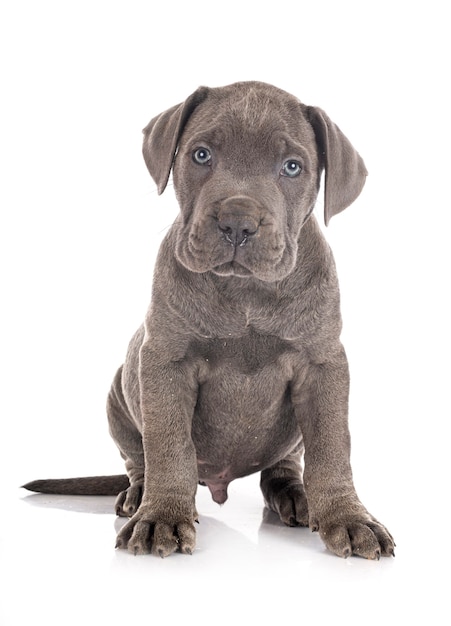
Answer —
237 228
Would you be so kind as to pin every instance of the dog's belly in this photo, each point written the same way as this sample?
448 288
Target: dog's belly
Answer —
244 420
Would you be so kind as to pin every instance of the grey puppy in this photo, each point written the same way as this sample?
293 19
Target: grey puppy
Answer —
238 367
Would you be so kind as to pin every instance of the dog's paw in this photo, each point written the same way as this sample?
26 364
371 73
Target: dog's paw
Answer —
287 498
147 532
359 533
128 501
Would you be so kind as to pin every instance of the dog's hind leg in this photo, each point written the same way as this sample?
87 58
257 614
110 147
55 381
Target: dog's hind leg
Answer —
129 441
283 490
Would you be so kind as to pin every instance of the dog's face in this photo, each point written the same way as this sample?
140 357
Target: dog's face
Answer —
246 174
246 177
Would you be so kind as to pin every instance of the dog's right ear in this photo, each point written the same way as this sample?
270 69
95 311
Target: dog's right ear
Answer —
162 135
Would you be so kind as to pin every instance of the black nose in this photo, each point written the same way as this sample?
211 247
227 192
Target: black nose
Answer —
236 229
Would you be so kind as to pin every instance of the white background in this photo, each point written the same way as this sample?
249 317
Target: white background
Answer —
80 227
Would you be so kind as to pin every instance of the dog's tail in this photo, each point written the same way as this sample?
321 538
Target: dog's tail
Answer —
84 486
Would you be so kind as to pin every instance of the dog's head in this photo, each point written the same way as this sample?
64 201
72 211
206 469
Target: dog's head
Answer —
247 161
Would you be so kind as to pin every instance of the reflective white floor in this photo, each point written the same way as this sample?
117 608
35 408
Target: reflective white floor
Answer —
59 566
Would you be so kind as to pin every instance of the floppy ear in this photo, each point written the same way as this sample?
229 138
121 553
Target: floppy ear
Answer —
345 171
162 134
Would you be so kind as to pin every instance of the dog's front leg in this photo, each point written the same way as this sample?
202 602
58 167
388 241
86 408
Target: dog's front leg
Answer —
335 511
165 519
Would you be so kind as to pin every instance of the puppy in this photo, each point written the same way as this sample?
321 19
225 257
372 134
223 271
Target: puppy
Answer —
238 367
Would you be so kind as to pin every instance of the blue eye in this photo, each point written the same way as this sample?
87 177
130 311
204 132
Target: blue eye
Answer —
291 168
202 156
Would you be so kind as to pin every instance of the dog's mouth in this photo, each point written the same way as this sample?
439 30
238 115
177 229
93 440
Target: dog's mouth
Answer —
232 268
267 255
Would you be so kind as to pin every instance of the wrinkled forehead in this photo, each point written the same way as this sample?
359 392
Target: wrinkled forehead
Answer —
249 114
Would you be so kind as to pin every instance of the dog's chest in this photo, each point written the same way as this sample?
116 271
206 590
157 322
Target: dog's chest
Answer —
247 355
244 418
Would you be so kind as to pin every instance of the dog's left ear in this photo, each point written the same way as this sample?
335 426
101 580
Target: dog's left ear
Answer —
345 171
162 135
